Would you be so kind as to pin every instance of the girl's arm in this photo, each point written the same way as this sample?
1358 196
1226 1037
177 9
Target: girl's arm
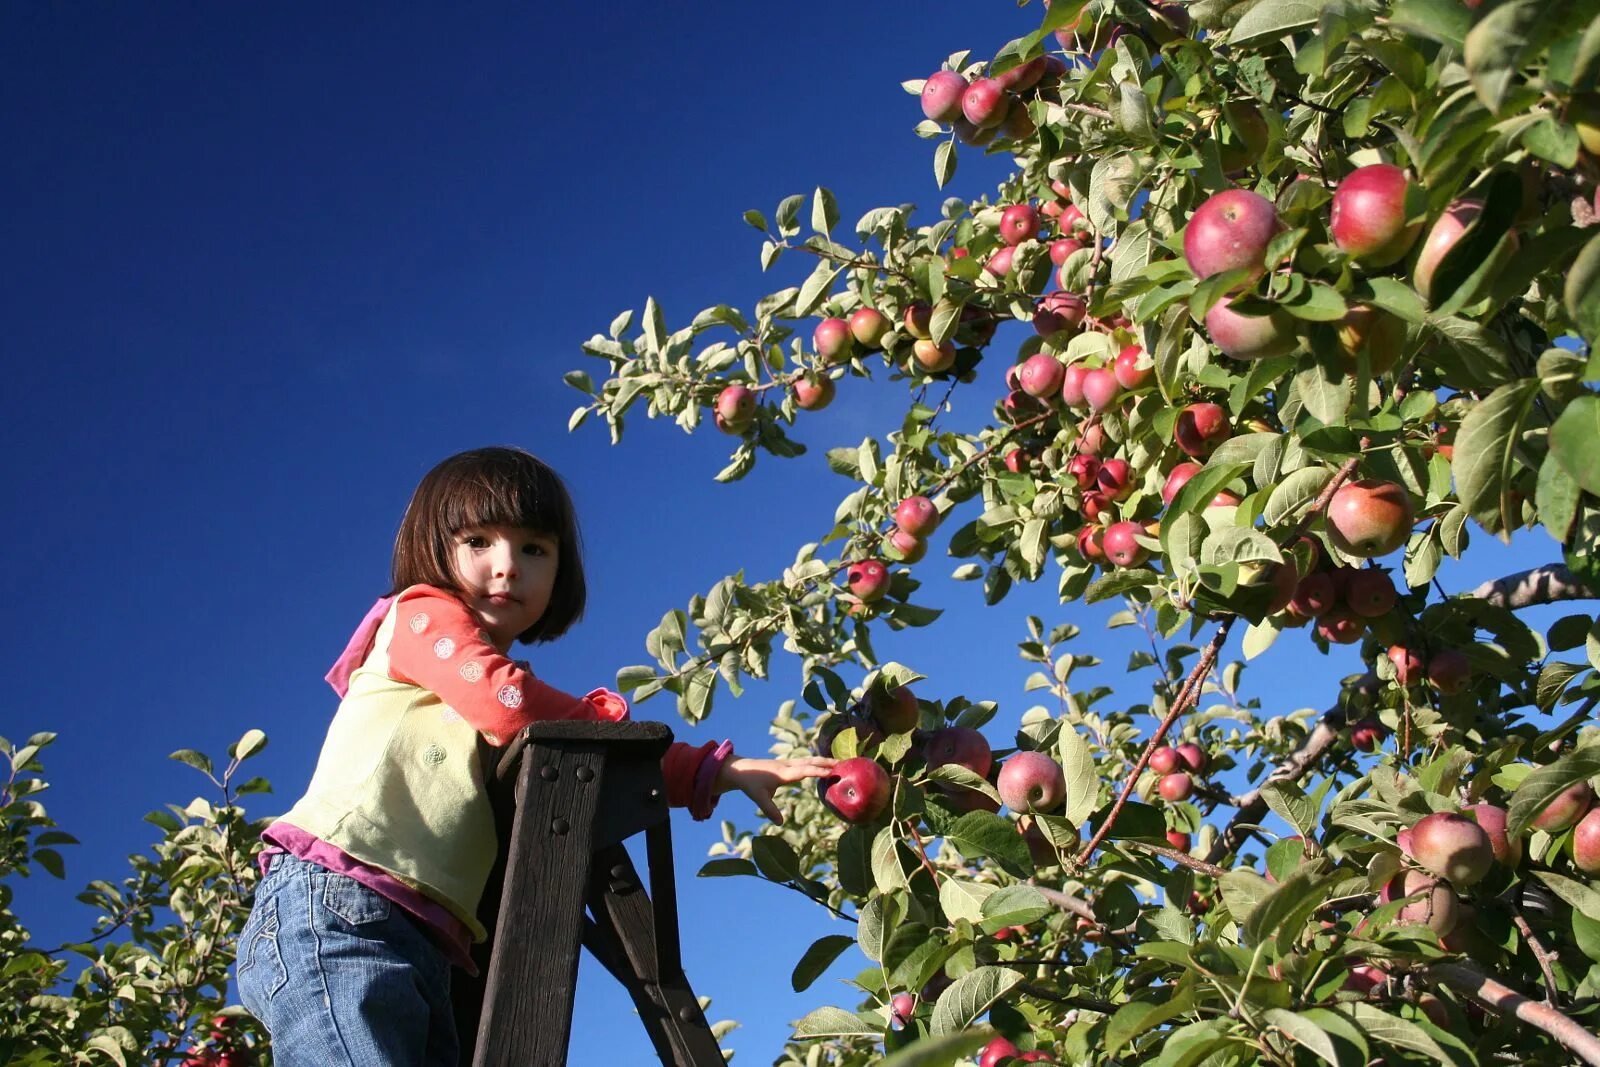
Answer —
438 644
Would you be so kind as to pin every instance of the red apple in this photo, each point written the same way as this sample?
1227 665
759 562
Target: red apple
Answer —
1566 808
1165 760
1031 781
1176 787
1019 405
1177 478
868 579
1062 248
867 326
1115 479
1230 230
1018 223
1100 389
1446 231
984 103
1091 438
813 392
1315 595
1369 518
1023 75
1193 756
1437 909
1367 735
1179 841
995 1051
1586 843
1121 544
1453 847
901 1008
941 95
736 408
1507 849
917 516
1018 460
833 340
909 547
933 358
1091 543
1449 670
961 745
999 262
894 709
919 321
1408 666
1094 504
1073 219
1058 313
857 791
1376 331
1249 337
1340 627
1041 375
1367 217
1130 375
1085 470
1370 593
1072 386
1201 428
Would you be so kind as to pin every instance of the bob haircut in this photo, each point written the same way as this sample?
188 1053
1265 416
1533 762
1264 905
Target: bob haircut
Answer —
491 487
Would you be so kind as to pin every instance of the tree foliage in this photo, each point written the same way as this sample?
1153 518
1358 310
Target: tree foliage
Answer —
1142 918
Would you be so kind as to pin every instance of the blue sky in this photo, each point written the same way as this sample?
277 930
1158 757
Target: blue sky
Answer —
268 265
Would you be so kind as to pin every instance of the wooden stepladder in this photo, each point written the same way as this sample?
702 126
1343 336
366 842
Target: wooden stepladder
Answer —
566 796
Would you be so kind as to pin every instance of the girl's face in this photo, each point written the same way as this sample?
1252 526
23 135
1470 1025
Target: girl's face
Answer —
506 574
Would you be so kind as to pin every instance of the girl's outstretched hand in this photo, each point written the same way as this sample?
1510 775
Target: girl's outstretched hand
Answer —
758 779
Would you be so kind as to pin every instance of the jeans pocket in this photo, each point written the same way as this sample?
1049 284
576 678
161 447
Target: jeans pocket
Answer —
353 902
260 964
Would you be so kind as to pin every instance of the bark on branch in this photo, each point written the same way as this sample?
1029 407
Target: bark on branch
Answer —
1507 1001
1541 585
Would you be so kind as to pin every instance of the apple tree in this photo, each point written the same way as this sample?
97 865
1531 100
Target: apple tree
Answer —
1307 296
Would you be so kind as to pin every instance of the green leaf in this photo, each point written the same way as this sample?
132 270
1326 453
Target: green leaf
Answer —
1583 899
1390 1030
940 1051
1302 1031
1496 47
818 958
833 1022
1083 779
965 1001
1292 806
944 163
1327 401
775 858
815 288
1543 785
824 211
1272 19
1015 905
962 899
982 833
1296 491
1287 907
1582 292
727 868
1486 448
198 760
1445 21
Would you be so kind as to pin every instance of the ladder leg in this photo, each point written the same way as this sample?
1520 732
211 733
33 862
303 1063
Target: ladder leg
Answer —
648 933
533 971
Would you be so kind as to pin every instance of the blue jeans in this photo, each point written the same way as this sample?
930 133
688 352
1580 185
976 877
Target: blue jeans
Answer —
341 975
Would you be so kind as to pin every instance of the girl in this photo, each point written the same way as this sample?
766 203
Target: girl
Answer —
370 883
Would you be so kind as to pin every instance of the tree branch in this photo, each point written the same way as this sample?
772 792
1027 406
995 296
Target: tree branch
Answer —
1541 585
1507 1001
1188 696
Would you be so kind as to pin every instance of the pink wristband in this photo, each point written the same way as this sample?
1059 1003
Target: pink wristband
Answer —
705 779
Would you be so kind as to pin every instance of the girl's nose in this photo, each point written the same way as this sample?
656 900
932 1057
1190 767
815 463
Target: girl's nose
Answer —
505 561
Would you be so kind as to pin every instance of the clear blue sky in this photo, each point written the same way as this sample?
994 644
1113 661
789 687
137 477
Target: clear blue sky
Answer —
266 266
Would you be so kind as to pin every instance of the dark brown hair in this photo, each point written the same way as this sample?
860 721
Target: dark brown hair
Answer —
491 487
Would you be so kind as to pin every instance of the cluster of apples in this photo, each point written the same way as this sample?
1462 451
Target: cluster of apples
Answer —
1176 768
225 1048
915 518
1370 220
986 108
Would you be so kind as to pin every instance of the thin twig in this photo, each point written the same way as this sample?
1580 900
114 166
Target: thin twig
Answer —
1507 1001
1180 858
1540 953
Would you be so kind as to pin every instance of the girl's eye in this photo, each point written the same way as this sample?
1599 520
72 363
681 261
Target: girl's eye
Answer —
474 541
534 549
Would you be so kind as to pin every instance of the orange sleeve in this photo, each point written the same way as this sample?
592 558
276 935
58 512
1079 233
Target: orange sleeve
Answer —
679 767
438 644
